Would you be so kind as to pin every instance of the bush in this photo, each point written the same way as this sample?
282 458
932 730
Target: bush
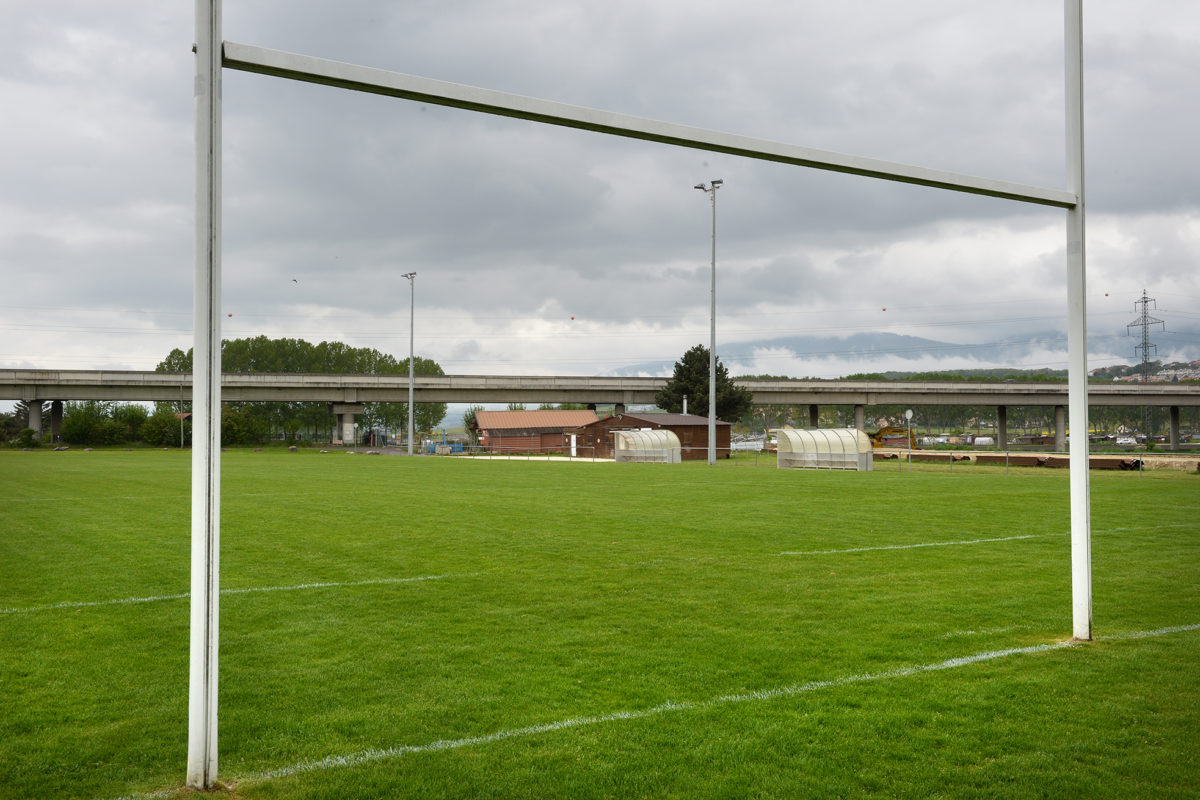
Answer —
89 423
26 438
236 427
131 417
161 429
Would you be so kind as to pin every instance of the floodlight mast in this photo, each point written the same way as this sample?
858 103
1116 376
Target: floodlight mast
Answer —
412 307
711 191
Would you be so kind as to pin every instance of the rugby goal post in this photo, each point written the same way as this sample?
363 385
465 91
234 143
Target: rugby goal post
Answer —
213 54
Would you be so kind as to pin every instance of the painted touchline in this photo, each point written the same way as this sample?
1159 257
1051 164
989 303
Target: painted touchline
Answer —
914 546
369 756
157 598
185 595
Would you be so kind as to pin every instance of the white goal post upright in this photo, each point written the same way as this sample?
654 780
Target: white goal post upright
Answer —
212 54
1077 368
206 405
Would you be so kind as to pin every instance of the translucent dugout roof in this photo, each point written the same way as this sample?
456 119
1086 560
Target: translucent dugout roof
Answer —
823 440
655 440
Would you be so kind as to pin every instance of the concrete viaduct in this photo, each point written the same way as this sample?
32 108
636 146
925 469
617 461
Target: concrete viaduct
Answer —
345 394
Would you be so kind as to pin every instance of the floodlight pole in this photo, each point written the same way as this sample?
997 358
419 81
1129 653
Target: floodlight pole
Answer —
1081 528
711 191
206 405
412 307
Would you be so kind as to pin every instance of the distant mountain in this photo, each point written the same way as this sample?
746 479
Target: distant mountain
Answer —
890 352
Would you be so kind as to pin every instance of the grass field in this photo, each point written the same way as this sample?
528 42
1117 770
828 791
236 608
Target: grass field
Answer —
433 627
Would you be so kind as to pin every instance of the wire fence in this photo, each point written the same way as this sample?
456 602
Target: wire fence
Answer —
903 459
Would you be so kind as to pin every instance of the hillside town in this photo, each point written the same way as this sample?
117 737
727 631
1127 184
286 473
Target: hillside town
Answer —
1157 372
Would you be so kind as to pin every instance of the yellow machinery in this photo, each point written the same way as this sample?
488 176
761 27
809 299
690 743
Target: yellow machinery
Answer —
894 436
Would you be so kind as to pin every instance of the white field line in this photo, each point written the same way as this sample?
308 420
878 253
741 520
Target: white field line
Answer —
914 546
370 756
653 562
975 541
1189 525
1150 634
157 598
982 631
158 498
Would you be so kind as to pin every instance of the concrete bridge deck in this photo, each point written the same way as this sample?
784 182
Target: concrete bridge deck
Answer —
33 384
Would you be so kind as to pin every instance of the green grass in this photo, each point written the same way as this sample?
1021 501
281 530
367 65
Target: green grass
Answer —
574 591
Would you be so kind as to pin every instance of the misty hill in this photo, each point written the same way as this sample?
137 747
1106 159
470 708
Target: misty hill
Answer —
863 352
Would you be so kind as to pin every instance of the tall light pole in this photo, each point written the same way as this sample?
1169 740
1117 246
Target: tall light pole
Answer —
711 191
412 307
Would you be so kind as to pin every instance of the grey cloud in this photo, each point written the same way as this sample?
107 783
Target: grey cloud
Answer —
505 221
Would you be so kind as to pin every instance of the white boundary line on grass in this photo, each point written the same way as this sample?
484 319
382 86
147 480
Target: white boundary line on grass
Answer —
156 598
914 546
966 541
369 756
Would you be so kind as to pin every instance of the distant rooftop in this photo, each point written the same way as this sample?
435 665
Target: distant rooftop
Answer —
532 421
670 419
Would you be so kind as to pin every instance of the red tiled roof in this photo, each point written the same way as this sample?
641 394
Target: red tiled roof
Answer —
532 420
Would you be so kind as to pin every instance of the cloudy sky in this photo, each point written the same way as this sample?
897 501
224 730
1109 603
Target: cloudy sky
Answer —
542 250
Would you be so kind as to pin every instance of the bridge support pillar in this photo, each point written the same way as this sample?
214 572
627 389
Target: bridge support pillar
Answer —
345 419
1174 427
35 418
860 417
1002 427
1060 428
56 414
618 409
813 416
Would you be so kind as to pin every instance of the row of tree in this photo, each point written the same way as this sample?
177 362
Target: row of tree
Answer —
257 421
91 422
99 423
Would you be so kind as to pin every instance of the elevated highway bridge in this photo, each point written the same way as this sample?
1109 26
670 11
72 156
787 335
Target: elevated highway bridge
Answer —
346 393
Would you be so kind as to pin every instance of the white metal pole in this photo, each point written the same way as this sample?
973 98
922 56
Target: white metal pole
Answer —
711 190
1081 530
412 308
206 405
712 350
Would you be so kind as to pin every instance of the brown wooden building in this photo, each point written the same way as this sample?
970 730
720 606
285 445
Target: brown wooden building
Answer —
526 431
596 439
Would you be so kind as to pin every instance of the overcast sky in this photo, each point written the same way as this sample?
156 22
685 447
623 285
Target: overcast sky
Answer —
543 250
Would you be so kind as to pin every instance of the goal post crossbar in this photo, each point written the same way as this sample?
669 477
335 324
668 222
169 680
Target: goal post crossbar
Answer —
293 66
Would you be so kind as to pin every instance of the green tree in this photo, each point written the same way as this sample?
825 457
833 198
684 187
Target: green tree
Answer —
130 416
176 361
236 426
691 379
162 428
261 354
10 426
469 422
91 423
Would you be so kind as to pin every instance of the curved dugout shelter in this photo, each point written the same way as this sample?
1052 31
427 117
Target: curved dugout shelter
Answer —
824 448
648 445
